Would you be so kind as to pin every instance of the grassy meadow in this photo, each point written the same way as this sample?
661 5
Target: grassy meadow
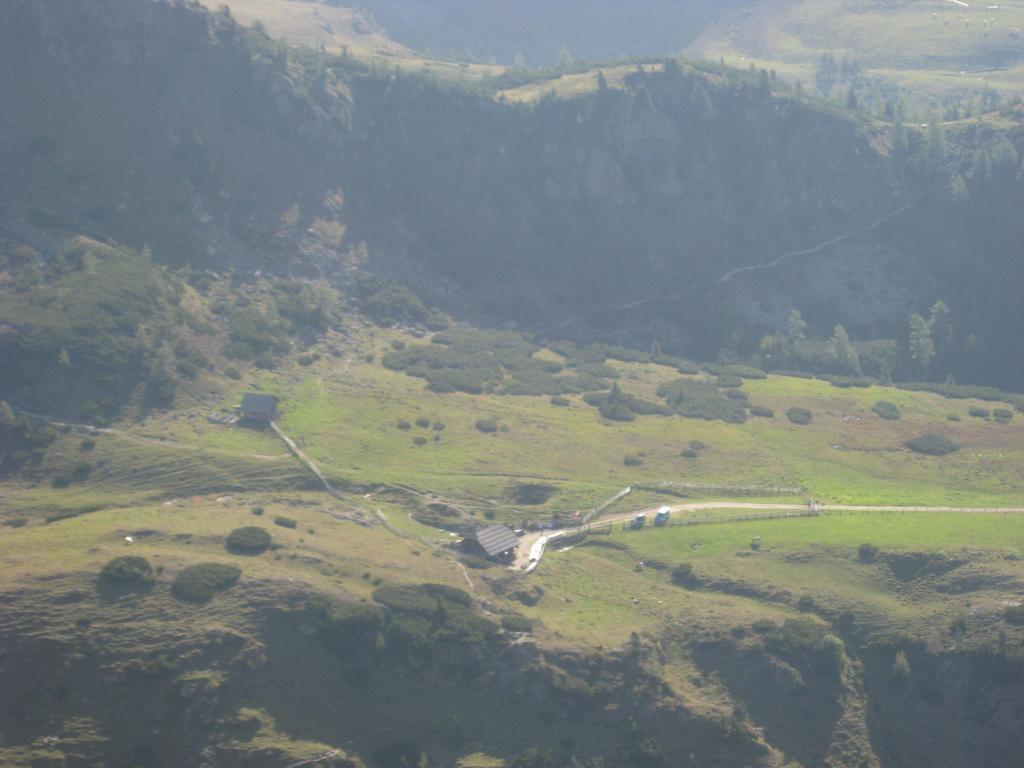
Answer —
936 47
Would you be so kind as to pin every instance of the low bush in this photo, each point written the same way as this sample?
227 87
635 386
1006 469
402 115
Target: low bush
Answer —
632 460
900 667
487 426
286 522
978 413
810 639
476 563
762 412
403 425
419 441
805 603
800 416
736 394
697 445
423 422
248 540
1015 615
438 426
729 382
257 511
682 574
886 410
849 382
867 553
953 417
743 371
127 570
702 400
933 445
689 453
561 402
516 623
958 392
1002 415
199 583
687 368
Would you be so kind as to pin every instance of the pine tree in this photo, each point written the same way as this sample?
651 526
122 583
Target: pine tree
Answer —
842 351
852 103
922 347
796 329
900 142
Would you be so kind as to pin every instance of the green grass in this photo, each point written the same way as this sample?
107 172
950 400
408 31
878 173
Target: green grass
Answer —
916 531
347 424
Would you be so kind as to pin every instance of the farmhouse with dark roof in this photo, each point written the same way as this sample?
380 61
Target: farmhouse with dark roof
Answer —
256 407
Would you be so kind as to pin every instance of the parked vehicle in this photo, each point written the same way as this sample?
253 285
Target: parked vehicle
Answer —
662 515
639 521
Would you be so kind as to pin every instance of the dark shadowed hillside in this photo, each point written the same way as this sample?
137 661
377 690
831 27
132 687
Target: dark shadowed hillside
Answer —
165 126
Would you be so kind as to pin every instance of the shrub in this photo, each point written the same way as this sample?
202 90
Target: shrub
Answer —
689 453
867 553
900 667
978 413
1015 615
682 573
800 416
762 412
419 441
933 445
697 445
233 373
729 382
953 417
886 410
561 402
403 425
805 603
286 522
1002 415
736 394
397 344
632 460
127 570
422 422
687 368
476 563
257 511
516 623
248 540
438 426
487 426
87 445
743 371
199 583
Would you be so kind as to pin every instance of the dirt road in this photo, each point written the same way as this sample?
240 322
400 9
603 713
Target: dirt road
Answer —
533 545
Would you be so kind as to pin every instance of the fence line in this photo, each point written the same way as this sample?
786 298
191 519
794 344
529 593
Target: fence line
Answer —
600 508
748 490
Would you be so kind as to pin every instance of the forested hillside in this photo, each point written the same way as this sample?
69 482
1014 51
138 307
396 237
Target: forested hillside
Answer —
648 194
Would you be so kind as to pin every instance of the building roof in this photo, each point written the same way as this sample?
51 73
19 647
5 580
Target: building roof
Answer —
259 405
496 539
